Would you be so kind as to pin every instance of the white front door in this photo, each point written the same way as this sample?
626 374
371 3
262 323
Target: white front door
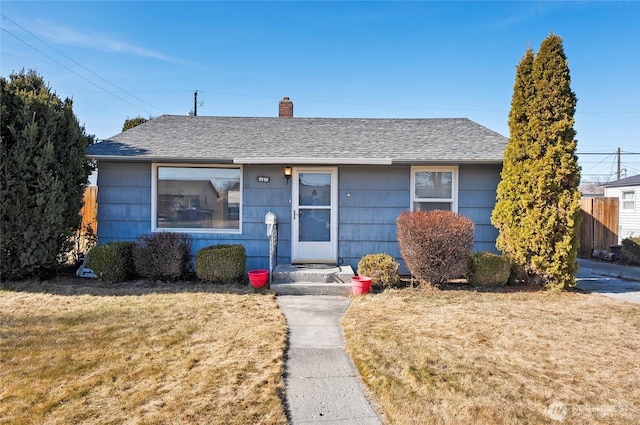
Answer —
314 215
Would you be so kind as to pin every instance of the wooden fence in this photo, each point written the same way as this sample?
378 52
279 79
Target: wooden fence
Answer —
599 227
89 210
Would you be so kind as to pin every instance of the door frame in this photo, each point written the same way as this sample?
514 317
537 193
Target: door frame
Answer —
332 248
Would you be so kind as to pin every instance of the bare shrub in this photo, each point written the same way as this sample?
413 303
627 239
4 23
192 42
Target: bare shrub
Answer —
436 245
162 255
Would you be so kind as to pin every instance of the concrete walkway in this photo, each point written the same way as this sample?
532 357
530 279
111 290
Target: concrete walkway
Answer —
322 385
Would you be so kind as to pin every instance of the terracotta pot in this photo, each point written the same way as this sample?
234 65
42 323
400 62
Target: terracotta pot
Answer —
360 285
258 278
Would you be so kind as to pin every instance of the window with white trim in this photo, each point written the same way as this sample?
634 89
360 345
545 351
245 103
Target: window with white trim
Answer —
434 188
628 201
191 198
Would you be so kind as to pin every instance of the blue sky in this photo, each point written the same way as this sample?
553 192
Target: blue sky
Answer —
119 60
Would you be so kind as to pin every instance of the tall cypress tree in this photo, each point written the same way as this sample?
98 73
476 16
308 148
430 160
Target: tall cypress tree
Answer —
538 206
513 198
44 173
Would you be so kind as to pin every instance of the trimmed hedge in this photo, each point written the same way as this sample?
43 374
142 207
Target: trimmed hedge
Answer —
381 268
487 269
436 245
162 255
113 261
225 263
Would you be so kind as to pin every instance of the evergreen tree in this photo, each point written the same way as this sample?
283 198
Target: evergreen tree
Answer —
514 197
537 210
133 122
44 173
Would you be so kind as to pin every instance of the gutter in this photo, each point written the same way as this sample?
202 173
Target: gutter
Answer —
322 161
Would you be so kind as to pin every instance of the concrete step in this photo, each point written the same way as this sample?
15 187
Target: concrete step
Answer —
312 279
311 288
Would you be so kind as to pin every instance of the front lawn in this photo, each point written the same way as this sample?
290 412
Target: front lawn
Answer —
139 353
461 357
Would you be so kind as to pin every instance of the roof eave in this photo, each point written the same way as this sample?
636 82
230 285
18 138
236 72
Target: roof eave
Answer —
448 161
316 161
159 159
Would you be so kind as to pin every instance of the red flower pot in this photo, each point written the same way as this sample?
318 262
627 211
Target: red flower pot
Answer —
258 278
360 285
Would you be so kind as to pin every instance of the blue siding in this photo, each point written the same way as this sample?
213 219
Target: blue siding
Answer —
370 200
477 197
124 201
124 209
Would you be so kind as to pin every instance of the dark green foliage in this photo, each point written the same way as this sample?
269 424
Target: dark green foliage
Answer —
488 269
113 261
537 210
221 263
518 275
381 268
43 176
436 245
133 122
631 251
162 255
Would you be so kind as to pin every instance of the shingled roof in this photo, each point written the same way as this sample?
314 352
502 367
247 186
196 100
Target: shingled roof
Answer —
628 181
304 141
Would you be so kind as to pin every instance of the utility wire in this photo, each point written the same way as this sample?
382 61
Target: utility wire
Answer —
77 63
74 72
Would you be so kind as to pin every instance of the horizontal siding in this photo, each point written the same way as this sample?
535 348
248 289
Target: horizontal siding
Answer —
370 200
629 221
477 197
124 201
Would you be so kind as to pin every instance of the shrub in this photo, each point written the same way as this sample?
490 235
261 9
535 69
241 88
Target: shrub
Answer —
631 251
221 263
436 245
518 275
381 268
113 261
162 255
487 269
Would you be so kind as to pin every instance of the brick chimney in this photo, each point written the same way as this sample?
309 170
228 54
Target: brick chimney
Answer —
286 108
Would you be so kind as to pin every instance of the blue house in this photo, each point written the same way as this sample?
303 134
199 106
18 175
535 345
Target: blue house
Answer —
336 185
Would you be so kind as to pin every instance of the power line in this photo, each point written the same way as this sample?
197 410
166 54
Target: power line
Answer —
73 72
77 63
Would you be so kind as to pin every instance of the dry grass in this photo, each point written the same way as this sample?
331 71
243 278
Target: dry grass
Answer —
461 357
95 353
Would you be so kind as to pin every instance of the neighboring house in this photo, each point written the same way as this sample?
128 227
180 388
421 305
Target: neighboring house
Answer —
349 179
628 192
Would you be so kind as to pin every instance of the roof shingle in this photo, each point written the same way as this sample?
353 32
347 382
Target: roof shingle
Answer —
342 140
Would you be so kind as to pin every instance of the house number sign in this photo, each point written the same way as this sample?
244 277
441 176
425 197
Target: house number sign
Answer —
264 179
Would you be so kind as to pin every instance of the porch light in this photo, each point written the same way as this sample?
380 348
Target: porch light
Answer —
287 173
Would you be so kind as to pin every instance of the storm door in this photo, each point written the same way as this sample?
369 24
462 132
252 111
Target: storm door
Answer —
314 215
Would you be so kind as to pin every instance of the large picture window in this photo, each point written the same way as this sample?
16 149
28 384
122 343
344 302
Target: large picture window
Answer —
191 198
434 188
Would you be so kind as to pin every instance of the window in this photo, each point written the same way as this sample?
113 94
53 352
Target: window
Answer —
196 198
628 201
434 188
